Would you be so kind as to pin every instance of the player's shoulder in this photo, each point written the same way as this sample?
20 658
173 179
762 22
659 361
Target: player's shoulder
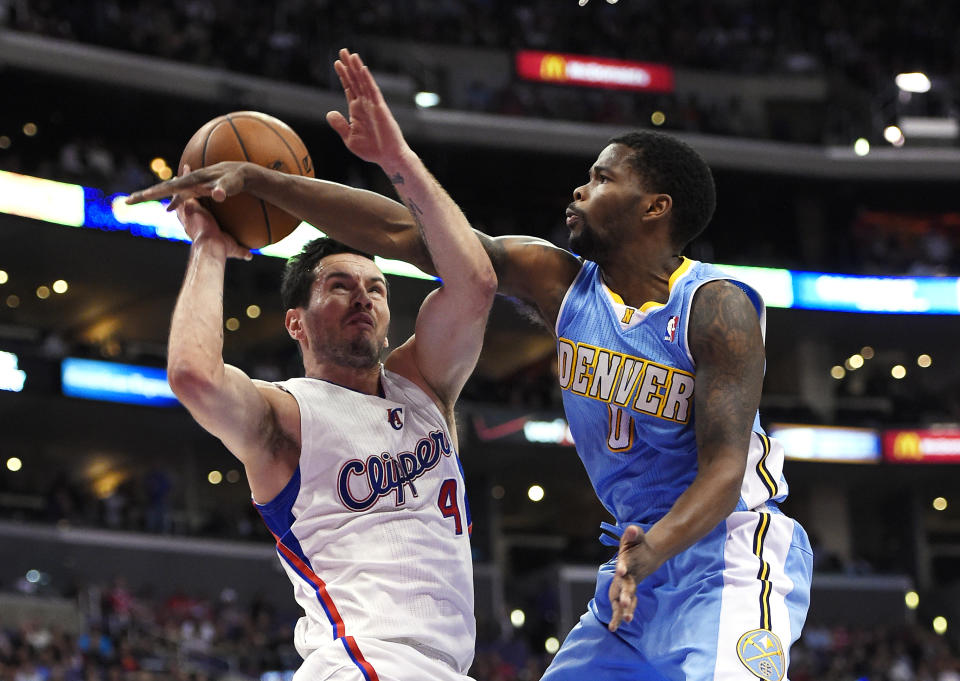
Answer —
721 314
533 270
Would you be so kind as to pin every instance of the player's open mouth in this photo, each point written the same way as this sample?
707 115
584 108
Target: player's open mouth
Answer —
573 217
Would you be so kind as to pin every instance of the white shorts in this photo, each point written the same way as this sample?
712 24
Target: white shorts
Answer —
354 658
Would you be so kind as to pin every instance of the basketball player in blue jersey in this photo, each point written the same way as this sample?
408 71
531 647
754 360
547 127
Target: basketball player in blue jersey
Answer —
354 467
661 363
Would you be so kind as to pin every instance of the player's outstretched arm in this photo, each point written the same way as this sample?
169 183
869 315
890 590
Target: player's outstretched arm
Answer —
220 397
357 217
727 344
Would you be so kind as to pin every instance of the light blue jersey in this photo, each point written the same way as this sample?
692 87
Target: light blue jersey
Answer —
628 383
728 607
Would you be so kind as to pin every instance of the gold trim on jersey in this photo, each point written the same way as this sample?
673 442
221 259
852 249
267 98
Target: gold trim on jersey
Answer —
762 471
683 268
763 574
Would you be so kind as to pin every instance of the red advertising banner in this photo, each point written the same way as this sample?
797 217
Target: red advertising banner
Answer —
922 446
573 69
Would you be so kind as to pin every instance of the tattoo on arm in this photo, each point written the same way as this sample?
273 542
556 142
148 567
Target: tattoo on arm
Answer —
417 213
396 179
727 344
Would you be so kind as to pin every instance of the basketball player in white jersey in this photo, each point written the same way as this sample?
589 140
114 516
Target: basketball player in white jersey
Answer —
354 467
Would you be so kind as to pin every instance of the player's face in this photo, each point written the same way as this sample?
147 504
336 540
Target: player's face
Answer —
347 317
605 209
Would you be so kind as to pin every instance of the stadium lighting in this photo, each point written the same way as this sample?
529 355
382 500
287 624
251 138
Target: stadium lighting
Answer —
912 599
517 618
898 371
552 645
940 504
861 147
940 625
924 361
425 100
14 464
535 493
894 135
913 82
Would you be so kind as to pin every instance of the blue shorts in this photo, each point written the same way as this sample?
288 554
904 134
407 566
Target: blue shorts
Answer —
726 609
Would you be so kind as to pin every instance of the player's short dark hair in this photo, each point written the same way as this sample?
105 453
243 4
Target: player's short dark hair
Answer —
298 275
668 166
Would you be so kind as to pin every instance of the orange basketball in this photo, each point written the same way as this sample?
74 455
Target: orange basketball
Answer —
261 139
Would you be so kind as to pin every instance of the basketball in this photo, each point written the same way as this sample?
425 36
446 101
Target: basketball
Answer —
257 138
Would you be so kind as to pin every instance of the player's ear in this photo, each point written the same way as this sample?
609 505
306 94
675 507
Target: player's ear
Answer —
659 206
294 324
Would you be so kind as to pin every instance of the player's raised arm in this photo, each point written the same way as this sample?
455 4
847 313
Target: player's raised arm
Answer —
450 326
225 401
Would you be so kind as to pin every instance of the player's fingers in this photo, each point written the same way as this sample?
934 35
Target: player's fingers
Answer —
615 616
630 535
362 76
350 72
240 253
627 599
175 203
157 191
348 88
339 123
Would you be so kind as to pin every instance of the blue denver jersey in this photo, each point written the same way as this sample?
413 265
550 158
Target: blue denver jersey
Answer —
628 381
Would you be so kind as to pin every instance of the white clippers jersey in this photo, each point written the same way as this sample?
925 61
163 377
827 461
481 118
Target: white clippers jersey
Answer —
373 528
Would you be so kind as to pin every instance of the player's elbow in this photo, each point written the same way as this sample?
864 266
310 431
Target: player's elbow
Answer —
480 287
191 384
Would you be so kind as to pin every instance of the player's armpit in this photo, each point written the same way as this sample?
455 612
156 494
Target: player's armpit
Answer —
533 270
256 421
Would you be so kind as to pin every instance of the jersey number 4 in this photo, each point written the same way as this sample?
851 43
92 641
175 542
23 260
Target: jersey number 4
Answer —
447 502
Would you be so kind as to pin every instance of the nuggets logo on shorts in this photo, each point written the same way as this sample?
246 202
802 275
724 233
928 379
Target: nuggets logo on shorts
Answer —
761 653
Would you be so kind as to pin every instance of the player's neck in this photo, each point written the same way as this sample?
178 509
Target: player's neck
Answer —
641 279
365 380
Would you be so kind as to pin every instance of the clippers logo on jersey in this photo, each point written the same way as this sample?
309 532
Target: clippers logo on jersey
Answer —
361 484
761 653
671 328
626 381
395 417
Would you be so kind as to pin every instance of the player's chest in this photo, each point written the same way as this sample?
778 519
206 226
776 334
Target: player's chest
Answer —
378 453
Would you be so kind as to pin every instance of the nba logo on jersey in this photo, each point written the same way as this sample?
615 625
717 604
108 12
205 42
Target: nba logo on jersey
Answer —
671 328
395 417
